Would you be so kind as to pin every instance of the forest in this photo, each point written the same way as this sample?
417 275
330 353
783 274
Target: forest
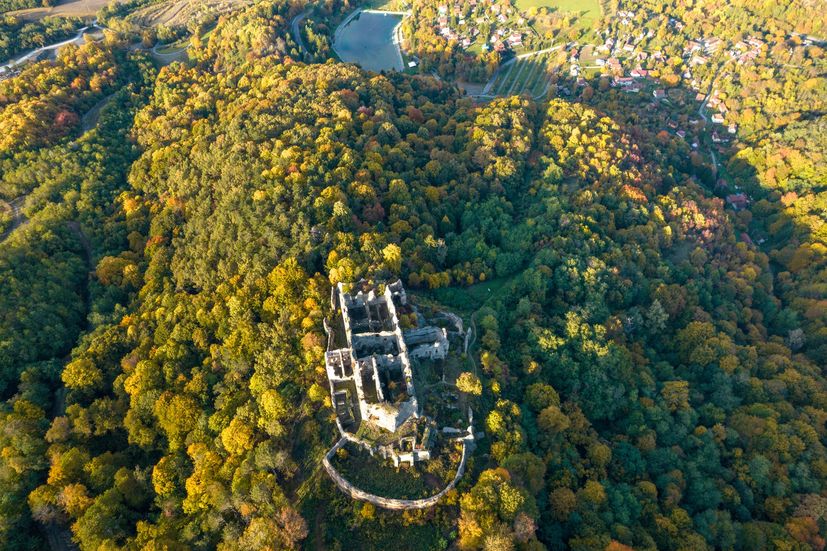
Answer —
12 5
646 377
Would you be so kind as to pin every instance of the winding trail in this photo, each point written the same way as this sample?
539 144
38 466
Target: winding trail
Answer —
18 218
470 339
58 536
90 119
169 57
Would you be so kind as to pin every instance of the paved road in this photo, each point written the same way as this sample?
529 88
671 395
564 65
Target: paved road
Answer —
297 35
702 113
169 57
78 38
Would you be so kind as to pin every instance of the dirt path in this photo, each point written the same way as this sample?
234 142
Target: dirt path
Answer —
58 536
74 225
469 342
318 536
90 119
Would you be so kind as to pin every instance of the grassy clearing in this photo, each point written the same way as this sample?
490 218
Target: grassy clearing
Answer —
540 84
464 300
519 69
539 76
501 76
586 10
533 64
66 8
391 5
380 477
174 47
375 476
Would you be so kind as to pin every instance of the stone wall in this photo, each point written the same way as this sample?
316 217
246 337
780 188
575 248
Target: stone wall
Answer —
387 502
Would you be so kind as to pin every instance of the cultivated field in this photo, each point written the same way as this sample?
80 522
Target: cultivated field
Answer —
177 13
172 13
68 8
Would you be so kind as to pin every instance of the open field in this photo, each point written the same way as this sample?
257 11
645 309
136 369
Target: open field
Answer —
391 5
465 300
172 12
177 13
68 8
586 10
367 39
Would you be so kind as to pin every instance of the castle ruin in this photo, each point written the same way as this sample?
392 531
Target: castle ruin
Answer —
368 363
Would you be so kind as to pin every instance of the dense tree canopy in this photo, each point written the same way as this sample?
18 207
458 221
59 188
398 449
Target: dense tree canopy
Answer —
645 377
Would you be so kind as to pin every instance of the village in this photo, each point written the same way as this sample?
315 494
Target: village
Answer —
629 56
485 24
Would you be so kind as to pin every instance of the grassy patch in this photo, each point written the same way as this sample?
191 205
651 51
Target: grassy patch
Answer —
540 85
170 49
390 5
502 75
380 477
539 74
586 10
464 300
523 76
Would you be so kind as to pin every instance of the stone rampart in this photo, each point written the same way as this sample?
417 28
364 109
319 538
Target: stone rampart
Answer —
387 502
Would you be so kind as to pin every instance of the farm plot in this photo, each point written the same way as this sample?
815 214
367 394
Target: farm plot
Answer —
64 8
177 13
527 75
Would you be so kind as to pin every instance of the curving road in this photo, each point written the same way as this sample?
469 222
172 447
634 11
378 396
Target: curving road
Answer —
702 113
295 26
14 62
18 218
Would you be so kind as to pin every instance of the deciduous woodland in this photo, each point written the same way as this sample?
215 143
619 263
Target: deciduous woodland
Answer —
644 376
